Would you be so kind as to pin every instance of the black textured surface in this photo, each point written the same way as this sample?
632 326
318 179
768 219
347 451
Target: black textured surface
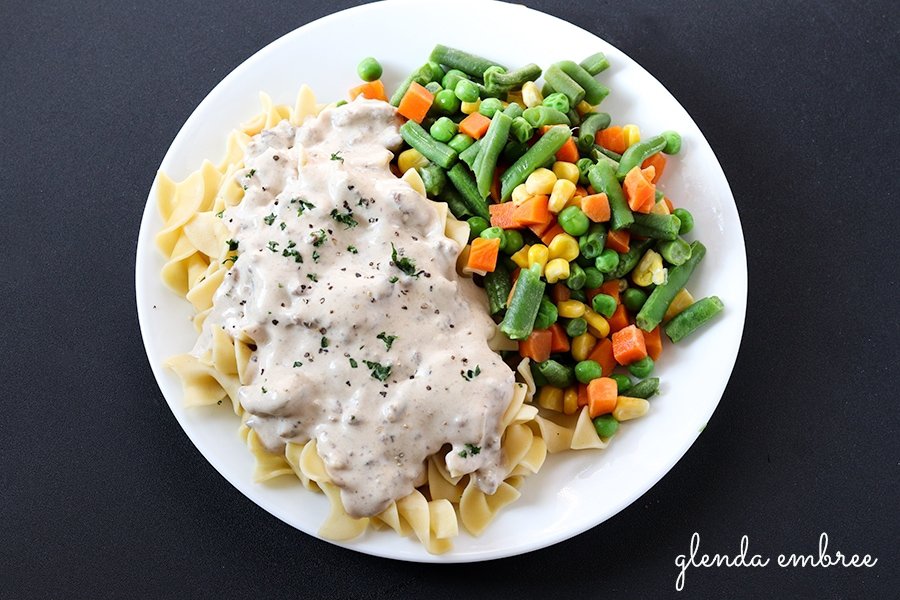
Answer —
102 494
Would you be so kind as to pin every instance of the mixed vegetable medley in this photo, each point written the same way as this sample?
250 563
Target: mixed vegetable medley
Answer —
580 253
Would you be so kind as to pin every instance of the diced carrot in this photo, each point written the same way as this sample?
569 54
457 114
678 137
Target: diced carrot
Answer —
475 125
513 277
613 138
590 191
618 239
596 207
560 341
544 129
502 215
639 191
551 233
559 293
602 394
495 184
628 345
619 320
658 161
611 288
415 102
537 345
539 228
602 354
649 173
374 90
568 152
669 204
533 211
582 395
483 255
653 342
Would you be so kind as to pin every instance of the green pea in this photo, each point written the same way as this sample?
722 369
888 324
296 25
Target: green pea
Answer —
591 244
558 101
452 78
466 90
573 221
489 106
476 226
578 295
673 142
607 261
604 304
461 141
547 314
369 69
443 129
576 277
513 241
437 71
446 102
494 233
686 218
576 327
433 86
588 370
606 426
622 382
641 368
634 299
592 278
584 165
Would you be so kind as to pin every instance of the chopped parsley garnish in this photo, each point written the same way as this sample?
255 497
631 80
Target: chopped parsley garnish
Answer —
290 251
337 156
312 276
379 371
393 279
352 250
407 265
324 342
319 237
304 205
365 202
345 218
316 256
387 339
283 225
471 450
251 173
297 363
353 363
220 213
269 219
233 259
471 374
272 245
232 245
264 390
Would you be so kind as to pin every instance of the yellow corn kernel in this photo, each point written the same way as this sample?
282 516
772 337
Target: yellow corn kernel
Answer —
551 398
520 194
571 309
556 270
660 208
630 408
515 97
583 108
566 170
560 193
582 345
632 134
570 401
574 201
470 107
597 325
540 181
681 301
649 270
538 254
521 257
563 246
531 95
411 159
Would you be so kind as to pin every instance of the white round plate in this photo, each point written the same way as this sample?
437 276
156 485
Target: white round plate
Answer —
574 491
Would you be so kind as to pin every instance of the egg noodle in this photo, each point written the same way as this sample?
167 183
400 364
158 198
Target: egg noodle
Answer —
195 244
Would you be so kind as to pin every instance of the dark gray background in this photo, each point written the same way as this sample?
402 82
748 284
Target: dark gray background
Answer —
102 494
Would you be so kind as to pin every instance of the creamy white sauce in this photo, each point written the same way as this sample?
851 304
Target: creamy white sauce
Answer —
312 321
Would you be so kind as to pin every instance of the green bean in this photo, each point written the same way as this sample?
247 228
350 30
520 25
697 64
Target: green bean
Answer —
433 86
557 374
590 125
369 69
489 106
641 368
606 426
691 318
476 226
562 82
623 382
584 165
547 90
484 92
673 142
603 178
422 76
513 110
675 252
544 149
658 227
629 260
576 276
443 130
576 327
521 129
638 153
588 370
464 61
644 388
434 178
445 101
547 314
497 285
539 380
591 244
469 155
595 63
508 80
574 117
558 102
523 307
466 186
492 145
452 77
513 151
634 299
460 142
593 278
538 116
594 91
686 218
656 305
599 152
455 202
437 71
435 151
